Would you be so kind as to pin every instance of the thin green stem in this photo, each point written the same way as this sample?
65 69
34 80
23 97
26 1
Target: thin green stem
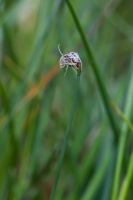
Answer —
127 180
123 117
98 177
123 137
65 140
95 70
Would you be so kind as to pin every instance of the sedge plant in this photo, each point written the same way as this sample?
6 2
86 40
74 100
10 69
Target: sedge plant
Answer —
72 60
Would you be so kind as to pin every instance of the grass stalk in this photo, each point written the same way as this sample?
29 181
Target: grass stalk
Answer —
123 117
91 188
95 69
65 141
127 180
123 137
87 164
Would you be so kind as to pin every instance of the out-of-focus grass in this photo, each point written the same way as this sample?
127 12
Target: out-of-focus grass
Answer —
35 99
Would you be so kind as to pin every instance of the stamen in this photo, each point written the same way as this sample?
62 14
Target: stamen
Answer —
60 50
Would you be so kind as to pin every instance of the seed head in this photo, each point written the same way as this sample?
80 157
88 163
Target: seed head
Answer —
72 60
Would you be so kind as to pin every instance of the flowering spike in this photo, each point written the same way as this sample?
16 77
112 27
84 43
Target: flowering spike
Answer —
71 59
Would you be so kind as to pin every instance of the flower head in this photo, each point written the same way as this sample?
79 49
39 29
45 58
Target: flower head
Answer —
72 60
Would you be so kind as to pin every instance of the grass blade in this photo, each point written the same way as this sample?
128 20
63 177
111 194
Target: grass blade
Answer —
126 182
65 140
122 142
95 70
123 117
91 188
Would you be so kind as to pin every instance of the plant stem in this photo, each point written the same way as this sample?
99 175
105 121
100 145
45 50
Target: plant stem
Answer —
123 116
127 180
65 140
96 72
123 137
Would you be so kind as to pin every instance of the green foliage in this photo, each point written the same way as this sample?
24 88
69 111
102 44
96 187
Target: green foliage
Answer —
35 100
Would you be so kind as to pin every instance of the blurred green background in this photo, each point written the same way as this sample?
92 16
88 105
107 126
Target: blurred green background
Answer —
35 100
